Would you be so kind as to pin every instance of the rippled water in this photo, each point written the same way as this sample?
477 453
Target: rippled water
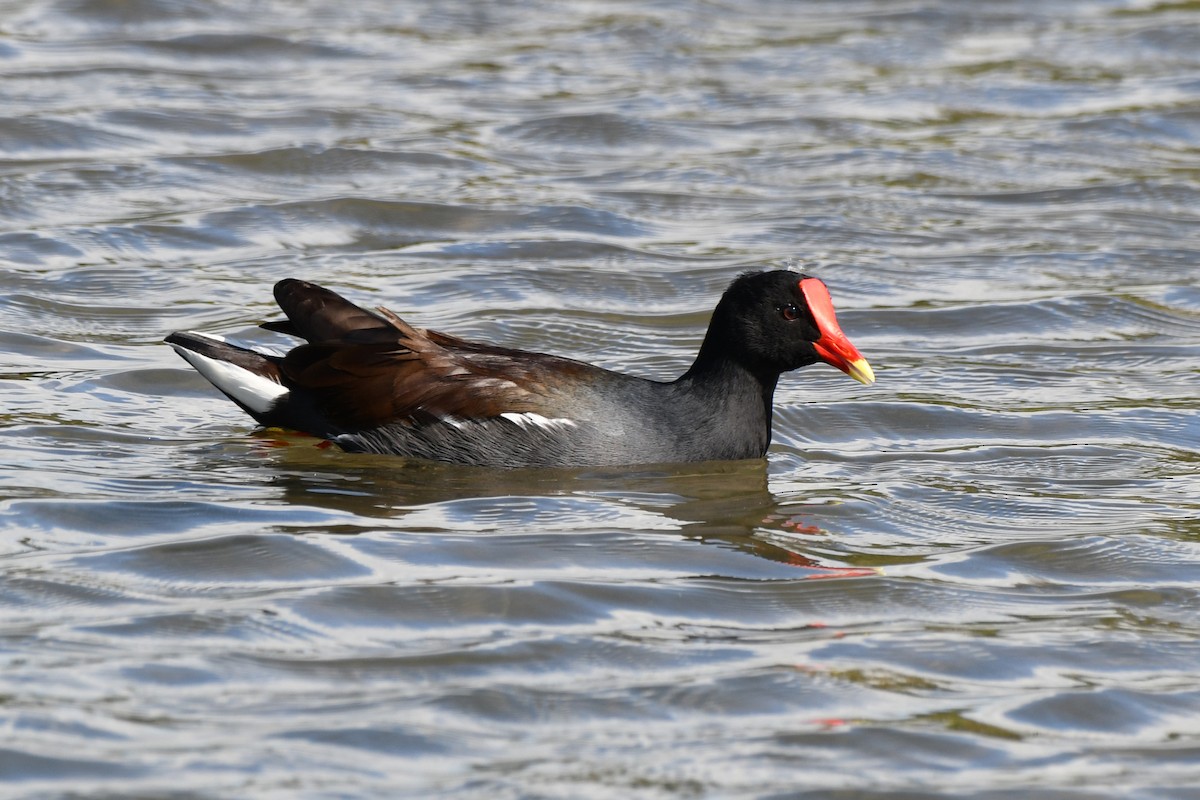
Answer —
977 578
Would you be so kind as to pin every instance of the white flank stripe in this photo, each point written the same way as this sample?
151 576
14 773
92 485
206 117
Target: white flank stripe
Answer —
253 391
529 418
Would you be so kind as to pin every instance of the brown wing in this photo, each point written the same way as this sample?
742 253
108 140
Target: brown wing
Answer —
319 315
362 369
420 376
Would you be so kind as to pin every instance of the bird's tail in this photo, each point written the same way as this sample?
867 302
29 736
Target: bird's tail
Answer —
247 377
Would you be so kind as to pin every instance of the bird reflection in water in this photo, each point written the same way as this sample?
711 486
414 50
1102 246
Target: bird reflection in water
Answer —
726 504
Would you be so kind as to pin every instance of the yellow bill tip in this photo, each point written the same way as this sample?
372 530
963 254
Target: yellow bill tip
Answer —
861 371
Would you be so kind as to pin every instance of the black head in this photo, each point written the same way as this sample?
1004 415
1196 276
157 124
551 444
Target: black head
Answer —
773 322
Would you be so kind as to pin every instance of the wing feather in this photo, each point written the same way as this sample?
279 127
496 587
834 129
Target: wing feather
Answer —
366 369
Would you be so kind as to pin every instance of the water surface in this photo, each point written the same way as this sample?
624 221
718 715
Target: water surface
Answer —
977 578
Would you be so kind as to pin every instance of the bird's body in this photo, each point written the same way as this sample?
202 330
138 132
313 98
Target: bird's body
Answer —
372 383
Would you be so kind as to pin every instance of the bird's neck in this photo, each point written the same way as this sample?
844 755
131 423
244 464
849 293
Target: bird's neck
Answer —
718 364
730 400
720 376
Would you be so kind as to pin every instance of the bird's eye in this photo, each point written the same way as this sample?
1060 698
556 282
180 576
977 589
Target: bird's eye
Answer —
790 312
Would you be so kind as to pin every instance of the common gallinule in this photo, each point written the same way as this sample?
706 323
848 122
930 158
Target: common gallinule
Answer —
370 382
